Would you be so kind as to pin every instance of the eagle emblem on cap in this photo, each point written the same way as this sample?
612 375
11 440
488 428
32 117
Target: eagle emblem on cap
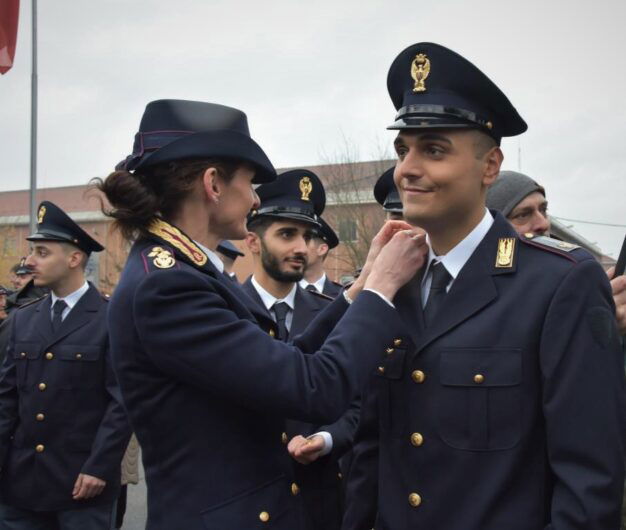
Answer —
163 258
306 187
41 214
420 69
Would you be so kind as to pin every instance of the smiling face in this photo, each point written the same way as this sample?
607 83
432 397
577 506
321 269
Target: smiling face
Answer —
442 176
531 215
236 198
283 249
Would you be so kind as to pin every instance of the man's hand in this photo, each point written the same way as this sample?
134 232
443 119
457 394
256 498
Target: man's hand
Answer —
618 286
305 450
87 487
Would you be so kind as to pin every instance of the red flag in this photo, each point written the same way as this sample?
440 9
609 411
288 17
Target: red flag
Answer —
9 10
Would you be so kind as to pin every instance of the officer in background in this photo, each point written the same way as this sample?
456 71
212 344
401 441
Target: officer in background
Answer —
26 290
503 407
387 195
228 253
280 231
523 202
63 429
323 240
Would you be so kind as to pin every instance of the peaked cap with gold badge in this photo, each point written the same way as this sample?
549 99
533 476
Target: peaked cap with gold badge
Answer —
53 224
297 194
434 87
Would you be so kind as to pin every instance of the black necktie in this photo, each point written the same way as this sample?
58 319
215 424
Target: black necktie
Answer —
440 280
57 311
312 288
280 310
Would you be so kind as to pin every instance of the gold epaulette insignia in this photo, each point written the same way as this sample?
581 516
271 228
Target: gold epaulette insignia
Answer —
504 258
163 258
179 241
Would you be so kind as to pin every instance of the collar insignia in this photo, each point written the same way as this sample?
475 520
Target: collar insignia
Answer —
420 69
306 187
41 214
163 258
504 258
179 241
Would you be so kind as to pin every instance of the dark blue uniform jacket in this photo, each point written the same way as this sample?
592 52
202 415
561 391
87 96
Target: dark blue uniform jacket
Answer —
58 394
507 413
207 387
319 482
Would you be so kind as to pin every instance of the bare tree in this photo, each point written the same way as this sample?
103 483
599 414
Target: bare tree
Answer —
351 208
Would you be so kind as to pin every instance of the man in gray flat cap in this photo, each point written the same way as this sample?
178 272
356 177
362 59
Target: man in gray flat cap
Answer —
523 202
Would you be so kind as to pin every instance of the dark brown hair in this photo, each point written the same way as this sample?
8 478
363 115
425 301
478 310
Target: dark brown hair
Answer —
137 199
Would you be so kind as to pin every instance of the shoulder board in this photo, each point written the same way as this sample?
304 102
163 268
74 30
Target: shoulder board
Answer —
556 246
32 302
320 295
157 257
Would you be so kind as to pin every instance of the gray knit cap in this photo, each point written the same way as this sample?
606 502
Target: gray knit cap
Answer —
509 189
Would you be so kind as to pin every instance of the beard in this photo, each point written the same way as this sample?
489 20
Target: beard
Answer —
272 267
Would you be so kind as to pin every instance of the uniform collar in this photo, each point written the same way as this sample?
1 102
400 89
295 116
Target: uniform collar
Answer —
269 299
456 258
319 283
213 257
72 299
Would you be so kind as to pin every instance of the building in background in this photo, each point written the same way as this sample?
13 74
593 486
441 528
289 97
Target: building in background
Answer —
350 209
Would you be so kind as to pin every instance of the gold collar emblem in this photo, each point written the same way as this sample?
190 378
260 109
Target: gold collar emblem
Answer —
41 214
179 241
504 259
163 258
306 187
420 68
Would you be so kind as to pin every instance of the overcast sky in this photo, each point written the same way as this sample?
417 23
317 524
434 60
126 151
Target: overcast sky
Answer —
311 75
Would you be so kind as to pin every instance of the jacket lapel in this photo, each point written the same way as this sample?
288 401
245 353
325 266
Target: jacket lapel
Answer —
257 307
472 290
304 311
43 319
81 314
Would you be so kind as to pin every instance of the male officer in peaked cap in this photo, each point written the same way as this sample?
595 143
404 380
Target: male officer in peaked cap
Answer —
387 195
63 430
280 232
505 410
228 253
323 240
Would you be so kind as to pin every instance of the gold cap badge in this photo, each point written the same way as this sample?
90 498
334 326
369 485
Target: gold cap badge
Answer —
306 187
163 258
420 69
41 214
504 259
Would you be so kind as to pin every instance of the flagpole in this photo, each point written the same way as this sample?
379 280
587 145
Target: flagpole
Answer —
33 121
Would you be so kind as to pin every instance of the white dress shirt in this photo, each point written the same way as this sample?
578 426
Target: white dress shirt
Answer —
457 257
217 262
268 301
318 284
71 300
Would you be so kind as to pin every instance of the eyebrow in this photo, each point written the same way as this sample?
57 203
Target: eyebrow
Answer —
424 137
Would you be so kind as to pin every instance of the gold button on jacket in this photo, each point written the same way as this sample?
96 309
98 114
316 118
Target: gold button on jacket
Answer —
42 386
264 517
417 439
415 500
39 448
49 356
418 376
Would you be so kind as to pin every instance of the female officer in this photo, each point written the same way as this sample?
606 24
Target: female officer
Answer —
205 384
